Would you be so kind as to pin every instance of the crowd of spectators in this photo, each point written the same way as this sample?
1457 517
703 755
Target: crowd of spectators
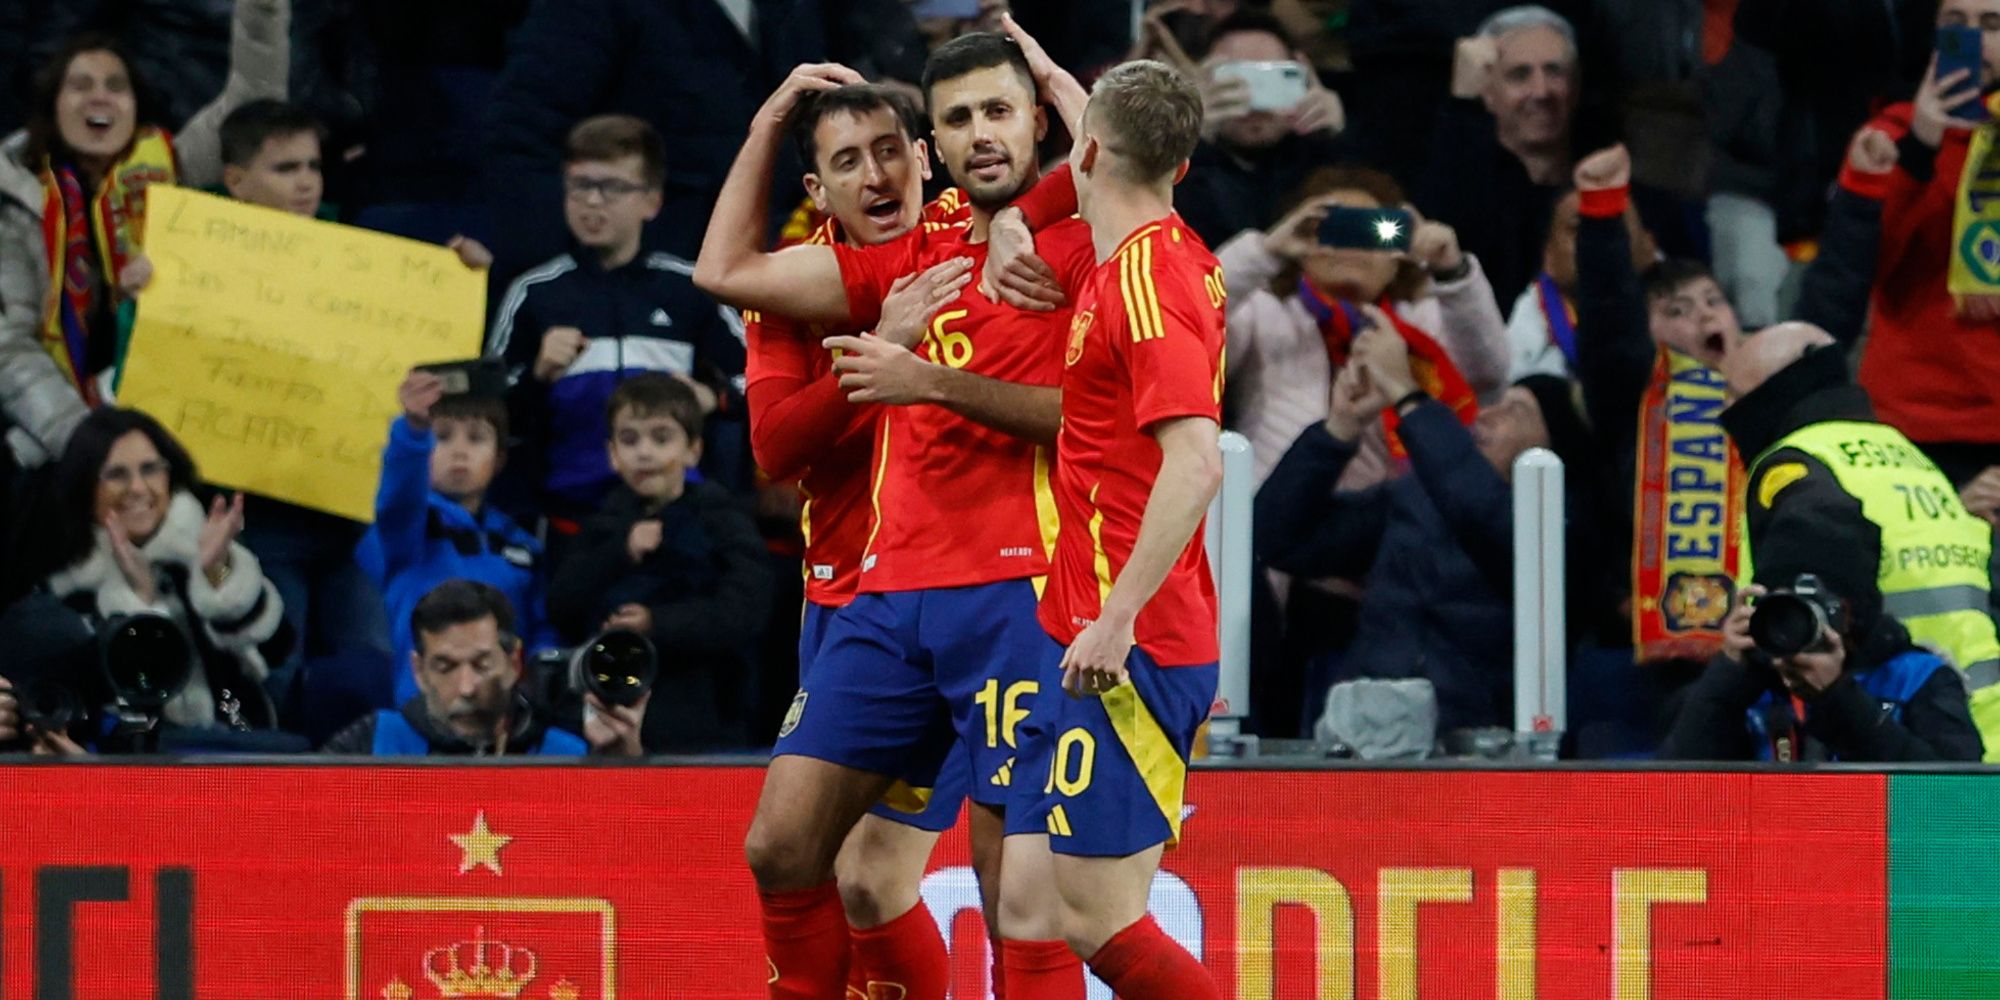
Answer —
1605 199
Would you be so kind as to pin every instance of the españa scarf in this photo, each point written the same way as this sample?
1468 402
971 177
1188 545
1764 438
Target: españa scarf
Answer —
1689 511
98 232
1429 364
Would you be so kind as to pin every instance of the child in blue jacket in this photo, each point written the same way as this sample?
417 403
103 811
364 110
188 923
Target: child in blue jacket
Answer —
432 522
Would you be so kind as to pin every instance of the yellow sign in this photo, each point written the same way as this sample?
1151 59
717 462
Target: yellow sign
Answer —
272 345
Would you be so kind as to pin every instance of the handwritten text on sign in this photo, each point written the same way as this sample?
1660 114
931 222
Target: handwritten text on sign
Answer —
272 345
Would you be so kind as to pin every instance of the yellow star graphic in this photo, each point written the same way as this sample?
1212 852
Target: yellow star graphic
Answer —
481 846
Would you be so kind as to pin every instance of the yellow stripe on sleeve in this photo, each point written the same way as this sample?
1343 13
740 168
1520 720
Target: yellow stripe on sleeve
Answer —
1141 295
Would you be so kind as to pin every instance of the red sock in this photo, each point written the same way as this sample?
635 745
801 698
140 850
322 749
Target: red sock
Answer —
906 953
1044 970
805 938
1142 963
999 956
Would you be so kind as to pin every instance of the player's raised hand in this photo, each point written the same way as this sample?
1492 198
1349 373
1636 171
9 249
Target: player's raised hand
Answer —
1095 662
1058 88
873 370
915 298
1015 275
805 79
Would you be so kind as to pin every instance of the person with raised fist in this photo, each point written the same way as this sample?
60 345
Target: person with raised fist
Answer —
1932 360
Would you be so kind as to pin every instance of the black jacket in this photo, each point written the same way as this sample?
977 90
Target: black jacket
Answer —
1474 184
644 316
1434 547
708 588
683 66
359 738
1227 192
1845 723
1811 525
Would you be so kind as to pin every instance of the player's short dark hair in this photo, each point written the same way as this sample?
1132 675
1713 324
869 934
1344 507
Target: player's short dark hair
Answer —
855 99
1670 276
1246 20
603 138
1149 116
466 406
653 394
972 52
247 128
461 602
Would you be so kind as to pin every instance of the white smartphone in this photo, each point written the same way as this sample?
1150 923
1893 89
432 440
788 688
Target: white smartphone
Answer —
1277 85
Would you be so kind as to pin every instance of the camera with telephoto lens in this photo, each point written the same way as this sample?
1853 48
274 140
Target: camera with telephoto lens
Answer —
1793 620
617 665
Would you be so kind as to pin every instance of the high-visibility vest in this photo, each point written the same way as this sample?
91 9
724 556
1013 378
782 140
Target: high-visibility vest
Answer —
1935 571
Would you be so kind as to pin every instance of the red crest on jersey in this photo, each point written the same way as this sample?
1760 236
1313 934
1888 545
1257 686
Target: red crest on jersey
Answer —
1079 328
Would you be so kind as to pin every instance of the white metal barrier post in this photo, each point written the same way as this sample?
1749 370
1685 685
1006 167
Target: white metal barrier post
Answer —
1540 637
1230 559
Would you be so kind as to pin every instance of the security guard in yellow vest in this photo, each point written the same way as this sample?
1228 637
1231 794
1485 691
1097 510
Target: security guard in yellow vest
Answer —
1837 494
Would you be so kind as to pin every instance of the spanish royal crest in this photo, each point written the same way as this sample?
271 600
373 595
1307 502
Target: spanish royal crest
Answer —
793 714
1079 328
485 947
1696 602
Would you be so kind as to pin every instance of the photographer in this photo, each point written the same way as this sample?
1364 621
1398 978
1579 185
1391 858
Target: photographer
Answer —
471 700
1875 699
120 533
1832 494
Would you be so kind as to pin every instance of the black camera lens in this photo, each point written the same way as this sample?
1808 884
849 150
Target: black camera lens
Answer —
619 667
146 658
1786 624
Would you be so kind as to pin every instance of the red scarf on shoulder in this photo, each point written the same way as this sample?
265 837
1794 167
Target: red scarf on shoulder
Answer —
1429 364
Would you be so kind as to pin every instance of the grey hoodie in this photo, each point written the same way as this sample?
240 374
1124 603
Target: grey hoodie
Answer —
34 393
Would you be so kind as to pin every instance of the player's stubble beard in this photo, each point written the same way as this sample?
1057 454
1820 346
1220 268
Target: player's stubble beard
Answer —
993 200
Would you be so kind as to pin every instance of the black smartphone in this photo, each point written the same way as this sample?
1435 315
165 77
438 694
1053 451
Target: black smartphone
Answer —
1367 228
477 377
1960 48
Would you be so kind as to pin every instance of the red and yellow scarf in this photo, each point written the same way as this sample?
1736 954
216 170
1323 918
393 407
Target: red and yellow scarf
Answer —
1688 497
1429 364
100 233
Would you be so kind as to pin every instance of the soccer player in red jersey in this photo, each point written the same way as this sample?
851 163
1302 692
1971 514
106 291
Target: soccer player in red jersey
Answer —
1130 672
868 166
935 650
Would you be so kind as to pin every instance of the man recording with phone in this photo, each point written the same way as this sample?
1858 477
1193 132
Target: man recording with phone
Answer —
1869 580
1267 122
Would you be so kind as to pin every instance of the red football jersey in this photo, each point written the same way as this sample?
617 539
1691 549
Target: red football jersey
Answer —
798 412
1145 346
957 503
